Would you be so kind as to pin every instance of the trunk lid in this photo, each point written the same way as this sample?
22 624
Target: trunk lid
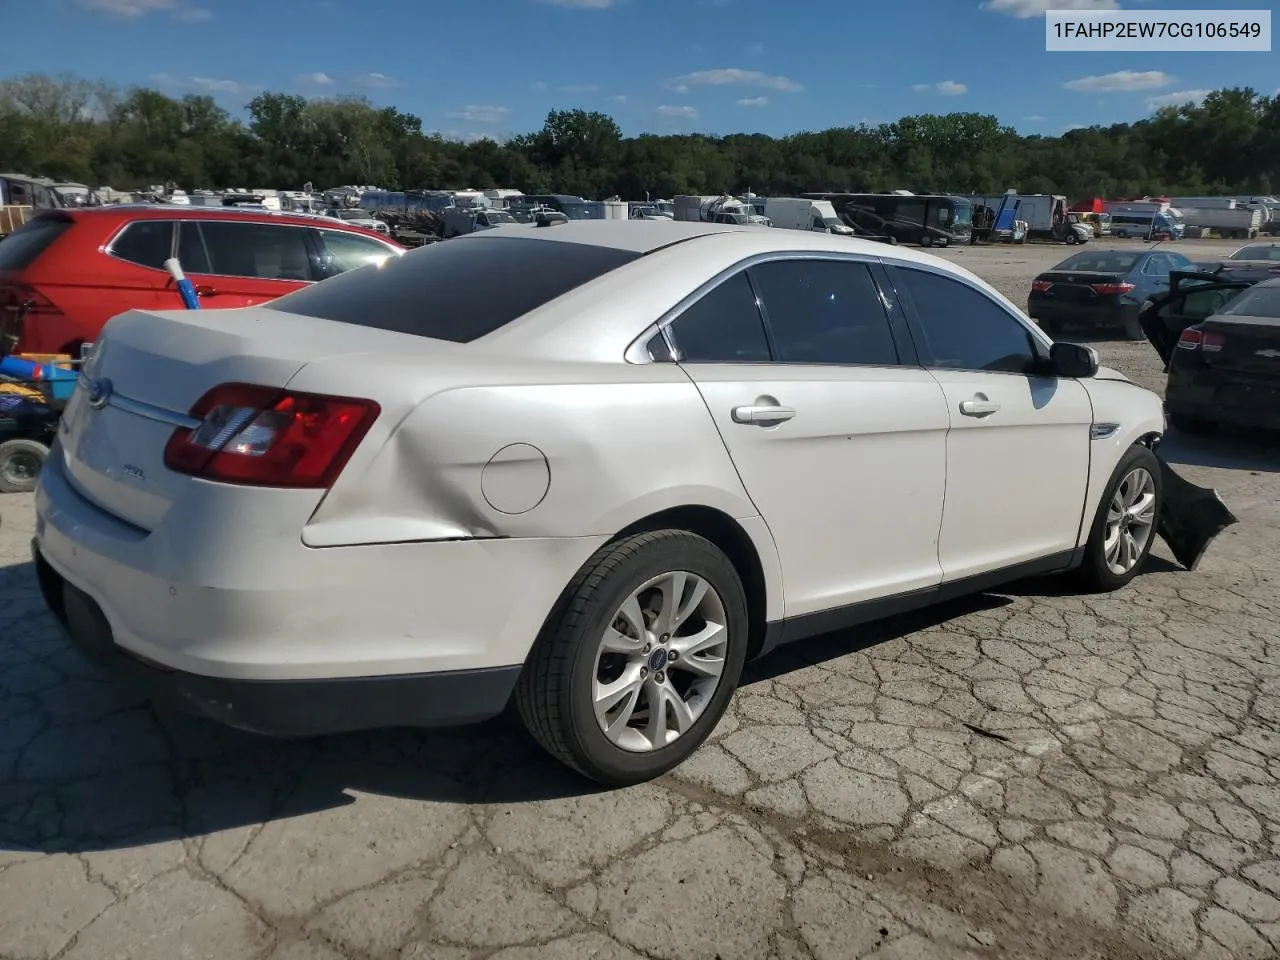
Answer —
149 368
1076 286
1249 345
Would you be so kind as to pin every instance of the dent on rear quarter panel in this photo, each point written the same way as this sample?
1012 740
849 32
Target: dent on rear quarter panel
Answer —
1139 412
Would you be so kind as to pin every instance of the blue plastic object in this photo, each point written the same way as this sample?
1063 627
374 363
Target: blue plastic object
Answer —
61 382
190 300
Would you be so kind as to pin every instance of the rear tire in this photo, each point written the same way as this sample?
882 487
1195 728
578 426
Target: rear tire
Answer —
1132 328
588 638
1124 527
21 461
926 241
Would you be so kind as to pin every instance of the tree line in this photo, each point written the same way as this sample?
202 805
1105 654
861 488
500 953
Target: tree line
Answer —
69 128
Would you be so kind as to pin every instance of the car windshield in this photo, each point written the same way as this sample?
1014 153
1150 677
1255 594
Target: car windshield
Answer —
1259 251
1104 261
1262 301
467 296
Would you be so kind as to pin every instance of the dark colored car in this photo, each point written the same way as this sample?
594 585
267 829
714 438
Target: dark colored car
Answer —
1220 342
1254 261
65 273
1102 289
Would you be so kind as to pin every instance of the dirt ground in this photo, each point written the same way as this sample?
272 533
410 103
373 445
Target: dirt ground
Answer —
1026 774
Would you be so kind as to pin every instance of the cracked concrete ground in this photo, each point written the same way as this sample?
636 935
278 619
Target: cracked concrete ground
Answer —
1026 774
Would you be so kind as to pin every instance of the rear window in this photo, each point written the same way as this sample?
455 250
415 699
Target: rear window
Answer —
1101 262
20 249
457 290
1255 302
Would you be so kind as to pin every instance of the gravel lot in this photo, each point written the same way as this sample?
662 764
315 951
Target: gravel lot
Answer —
1027 774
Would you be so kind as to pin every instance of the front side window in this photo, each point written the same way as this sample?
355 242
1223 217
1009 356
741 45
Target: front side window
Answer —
825 311
965 329
263 251
148 243
724 326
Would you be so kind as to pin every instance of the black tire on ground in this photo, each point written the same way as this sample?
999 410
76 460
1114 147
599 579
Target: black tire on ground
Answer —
20 463
1193 425
1094 573
926 241
1132 328
553 694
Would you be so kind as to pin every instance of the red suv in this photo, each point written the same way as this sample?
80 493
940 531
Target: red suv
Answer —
65 273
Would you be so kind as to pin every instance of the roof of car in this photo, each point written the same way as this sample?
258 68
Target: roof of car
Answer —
646 236
121 212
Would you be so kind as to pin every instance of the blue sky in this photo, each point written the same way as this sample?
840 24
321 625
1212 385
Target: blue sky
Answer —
495 67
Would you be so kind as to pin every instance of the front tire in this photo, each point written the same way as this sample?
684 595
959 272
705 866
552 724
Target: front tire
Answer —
638 661
1124 528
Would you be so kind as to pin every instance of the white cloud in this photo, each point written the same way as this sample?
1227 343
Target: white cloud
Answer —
378 80
1026 9
319 79
753 102
948 88
1193 97
620 98
1122 81
473 113
215 85
581 4
683 113
1034 118
178 9
732 76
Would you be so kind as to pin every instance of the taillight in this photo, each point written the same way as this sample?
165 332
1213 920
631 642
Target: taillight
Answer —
1041 286
263 436
1193 338
1110 289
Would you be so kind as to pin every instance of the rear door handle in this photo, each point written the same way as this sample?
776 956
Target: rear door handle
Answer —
206 291
762 414
979 406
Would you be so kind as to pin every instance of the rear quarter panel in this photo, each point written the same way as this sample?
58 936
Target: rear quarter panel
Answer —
588 450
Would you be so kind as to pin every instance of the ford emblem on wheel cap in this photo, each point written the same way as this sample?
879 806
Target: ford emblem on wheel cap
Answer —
99 393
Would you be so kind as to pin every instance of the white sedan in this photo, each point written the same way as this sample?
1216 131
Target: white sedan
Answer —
592 468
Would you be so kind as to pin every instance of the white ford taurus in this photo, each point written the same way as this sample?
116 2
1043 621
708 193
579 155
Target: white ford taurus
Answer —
592 468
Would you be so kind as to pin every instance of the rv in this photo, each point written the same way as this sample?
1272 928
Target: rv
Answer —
905 217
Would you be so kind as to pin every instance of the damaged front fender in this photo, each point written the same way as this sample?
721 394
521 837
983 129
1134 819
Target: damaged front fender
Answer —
1190 517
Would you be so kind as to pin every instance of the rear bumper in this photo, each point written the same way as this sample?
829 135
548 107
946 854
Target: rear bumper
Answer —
1083 314
1230 398
284 708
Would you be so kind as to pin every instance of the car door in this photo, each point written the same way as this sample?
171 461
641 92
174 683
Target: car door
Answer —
838 435
1166 316
1018 444
239 263
1155 276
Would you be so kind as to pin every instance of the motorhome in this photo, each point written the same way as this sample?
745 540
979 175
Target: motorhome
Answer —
926 219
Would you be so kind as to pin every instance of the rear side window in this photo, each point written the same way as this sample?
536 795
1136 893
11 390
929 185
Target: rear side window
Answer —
825 311
1256 302
262 251
725 326
148 243
340 252
21 248
458 290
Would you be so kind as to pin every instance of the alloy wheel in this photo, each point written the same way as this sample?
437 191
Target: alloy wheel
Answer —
660 661
1131 518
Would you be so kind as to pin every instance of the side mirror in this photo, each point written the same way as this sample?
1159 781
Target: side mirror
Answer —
1073 360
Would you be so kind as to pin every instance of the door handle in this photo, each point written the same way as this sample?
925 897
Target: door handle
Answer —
206 291
762 414
979 406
